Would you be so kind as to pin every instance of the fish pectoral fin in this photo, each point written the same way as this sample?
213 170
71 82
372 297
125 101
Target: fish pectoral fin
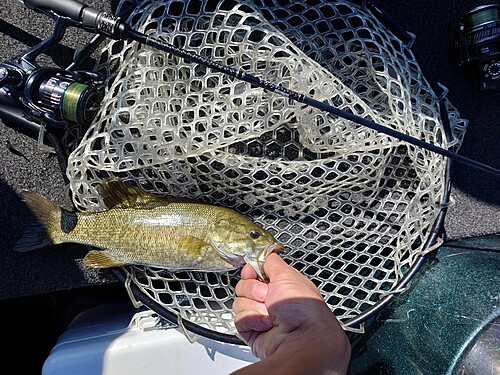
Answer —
193 245
101 259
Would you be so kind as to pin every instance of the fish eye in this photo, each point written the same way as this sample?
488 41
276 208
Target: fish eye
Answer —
254 234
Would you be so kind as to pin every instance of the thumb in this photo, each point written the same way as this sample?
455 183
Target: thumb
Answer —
279 271
275 267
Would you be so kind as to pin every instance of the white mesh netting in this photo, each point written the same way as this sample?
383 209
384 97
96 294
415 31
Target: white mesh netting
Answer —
353 207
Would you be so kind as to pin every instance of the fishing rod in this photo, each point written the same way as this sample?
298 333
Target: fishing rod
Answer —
105 23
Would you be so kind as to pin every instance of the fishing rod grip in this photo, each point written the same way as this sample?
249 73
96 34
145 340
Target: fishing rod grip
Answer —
90 18
69 8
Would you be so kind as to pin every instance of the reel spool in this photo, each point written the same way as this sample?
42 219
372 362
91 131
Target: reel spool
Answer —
72 101
479 43
55 95
355 209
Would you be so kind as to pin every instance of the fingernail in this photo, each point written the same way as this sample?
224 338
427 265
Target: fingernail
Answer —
260 291
262 308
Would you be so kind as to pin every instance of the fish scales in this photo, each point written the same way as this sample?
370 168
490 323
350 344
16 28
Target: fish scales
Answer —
158 236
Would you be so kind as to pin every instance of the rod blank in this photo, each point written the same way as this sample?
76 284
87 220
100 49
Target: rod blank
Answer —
273 87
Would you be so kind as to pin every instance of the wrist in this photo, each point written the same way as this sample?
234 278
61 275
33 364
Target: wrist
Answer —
320 348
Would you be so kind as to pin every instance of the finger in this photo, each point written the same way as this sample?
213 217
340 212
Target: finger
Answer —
248 272
245 304
250 321
253 289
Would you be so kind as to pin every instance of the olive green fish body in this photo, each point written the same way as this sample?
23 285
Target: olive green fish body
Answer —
176 235
144 229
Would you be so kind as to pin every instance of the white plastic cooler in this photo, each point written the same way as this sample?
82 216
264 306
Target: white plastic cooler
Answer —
120 340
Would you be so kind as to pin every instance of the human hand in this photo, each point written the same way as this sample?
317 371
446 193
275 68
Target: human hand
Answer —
287 315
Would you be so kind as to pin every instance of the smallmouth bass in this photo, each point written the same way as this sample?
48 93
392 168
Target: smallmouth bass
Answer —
140 228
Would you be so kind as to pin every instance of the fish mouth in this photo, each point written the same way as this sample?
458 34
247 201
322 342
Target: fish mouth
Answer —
259 260
268 249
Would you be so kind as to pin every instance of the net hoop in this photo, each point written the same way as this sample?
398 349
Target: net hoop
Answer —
357 210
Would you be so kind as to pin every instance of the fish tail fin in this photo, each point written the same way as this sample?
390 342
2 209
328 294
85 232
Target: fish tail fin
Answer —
42 226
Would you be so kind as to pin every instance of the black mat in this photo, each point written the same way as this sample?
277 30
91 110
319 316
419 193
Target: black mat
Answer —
476 194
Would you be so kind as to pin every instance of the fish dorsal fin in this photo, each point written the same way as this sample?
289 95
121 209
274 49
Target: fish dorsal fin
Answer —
101 259
120 194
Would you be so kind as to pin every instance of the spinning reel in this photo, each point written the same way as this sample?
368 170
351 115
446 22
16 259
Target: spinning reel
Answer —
55 96
479 44
38 99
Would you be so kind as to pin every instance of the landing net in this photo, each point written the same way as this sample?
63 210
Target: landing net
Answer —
355 208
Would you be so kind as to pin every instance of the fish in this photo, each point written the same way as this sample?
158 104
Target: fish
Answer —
141 228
